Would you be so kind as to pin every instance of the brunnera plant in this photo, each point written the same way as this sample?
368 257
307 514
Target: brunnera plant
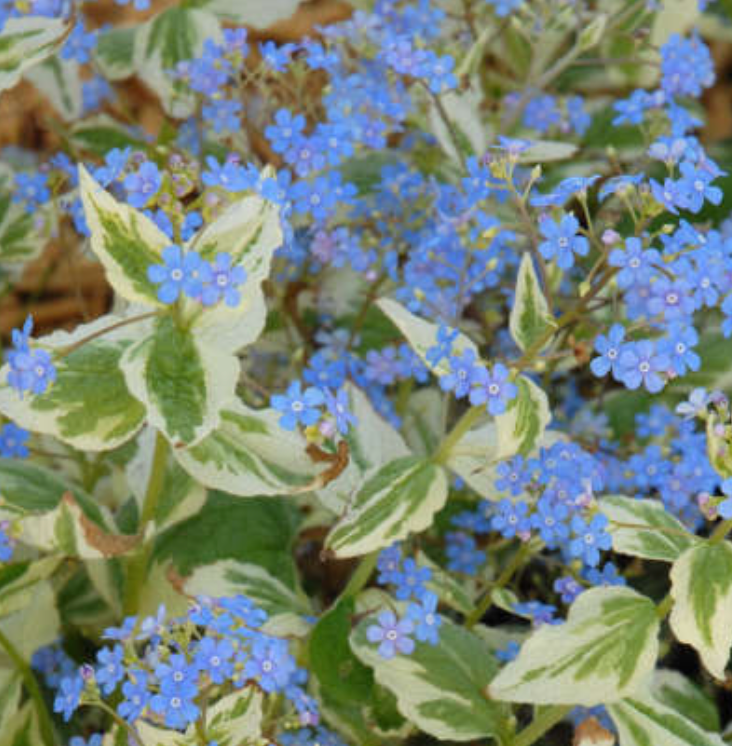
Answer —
408 420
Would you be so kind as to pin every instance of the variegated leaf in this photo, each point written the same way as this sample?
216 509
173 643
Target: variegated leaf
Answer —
644 528
34 625
19 582
183 381
22 237
604 652
373 443
181 496
231 578
259 15
173 36
530 319
523 423
68 530
249 231
644 721
114 52
250 454
457 595
26 488
26 41
673 689
235 719
701 586
124 240
61 82
422 335
21 728
400 499
439 688
77 409
10 691
477 454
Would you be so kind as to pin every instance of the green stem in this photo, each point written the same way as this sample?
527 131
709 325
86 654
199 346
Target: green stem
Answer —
664 607
45 723
134 736
540 725
360 576
461 428
721 531
503 580
138 565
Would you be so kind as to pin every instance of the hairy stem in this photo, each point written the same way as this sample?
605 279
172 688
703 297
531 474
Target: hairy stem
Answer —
138 564
518 559
540 725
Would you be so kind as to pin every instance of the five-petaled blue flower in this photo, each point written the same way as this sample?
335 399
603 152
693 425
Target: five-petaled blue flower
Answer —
222 281
180 273
392 634
298 406
562 240
493 388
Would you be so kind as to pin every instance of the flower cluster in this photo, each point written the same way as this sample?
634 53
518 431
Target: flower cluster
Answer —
30 370
421 621
186 273
160 669
468 377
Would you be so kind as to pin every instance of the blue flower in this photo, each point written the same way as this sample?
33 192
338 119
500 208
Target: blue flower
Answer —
550 521
136 695
678 347
6 543
298 406
30 370
177 706
568 588
215 658
111 668
538 612
443 346
609 348
389 565
411 579
143 185
392 634
13 441
512 476
180 273
270 664
636 264
426 620
463 371
67 699
589 539
562 240
462 553
32 189
339 407
222 281
508 653
288 129
640 363
511 519
493 388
